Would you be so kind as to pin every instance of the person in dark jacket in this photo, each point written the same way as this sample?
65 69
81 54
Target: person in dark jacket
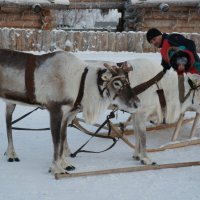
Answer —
176 51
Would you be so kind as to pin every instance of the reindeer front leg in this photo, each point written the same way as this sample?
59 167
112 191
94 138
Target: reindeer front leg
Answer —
64 145
55 124
140 137
68 117
10 152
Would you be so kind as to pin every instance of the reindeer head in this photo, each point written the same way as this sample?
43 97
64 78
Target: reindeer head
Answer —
113 83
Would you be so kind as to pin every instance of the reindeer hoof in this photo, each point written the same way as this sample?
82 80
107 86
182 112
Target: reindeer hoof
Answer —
10 159
70 168
153 163
136 157
17 159
142 162
13 159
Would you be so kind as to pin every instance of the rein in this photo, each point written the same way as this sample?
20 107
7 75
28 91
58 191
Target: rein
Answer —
107 121
27 129
144 86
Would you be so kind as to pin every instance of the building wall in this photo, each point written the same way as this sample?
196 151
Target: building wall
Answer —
177 19
20 17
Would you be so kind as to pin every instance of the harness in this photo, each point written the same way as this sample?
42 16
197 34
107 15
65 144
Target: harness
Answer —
144 86
77 103
29 77
193 88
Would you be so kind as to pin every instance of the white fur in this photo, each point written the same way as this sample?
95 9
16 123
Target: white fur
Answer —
143 70
57 80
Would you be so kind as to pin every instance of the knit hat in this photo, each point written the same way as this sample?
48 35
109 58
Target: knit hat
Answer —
151 33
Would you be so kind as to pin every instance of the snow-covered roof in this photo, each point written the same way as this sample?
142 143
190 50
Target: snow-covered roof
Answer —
54 4
175 2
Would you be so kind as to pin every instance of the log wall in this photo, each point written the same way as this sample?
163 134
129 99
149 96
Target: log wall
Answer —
179 19
46 40
20 17
181 16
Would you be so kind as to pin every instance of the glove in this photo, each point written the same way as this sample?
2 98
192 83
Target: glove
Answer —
197 66
182 48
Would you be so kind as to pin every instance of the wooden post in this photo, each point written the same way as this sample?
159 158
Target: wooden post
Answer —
195 124
178 126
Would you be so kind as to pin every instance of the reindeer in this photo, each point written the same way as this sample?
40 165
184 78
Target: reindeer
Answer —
65 86
152 109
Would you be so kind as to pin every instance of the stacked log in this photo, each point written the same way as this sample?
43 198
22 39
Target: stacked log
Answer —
181 16
50 40
19 17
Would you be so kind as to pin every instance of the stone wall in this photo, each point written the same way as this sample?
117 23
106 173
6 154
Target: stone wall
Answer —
46 40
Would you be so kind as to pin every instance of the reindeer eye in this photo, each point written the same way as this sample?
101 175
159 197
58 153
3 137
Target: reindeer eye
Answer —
117 84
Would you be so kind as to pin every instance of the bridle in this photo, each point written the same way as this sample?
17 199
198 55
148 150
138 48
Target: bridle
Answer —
121 78
193 88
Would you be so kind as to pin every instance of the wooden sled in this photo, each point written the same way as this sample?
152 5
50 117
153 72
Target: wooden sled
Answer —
116 132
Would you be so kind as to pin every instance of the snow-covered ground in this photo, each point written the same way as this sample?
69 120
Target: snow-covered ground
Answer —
29 179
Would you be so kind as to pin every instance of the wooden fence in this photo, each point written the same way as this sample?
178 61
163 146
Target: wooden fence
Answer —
46 40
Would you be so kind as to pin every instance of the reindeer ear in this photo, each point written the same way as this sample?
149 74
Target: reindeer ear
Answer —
106 76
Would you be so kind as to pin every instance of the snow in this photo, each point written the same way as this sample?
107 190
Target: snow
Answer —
64 2
29 178
159 1
85 18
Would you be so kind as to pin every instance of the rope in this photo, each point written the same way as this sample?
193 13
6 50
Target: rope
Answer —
27 129
110 116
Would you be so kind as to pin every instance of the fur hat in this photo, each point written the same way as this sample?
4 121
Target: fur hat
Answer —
151 33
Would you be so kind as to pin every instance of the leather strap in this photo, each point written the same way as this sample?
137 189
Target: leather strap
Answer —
163 104
181 88
29 77
144 86
81 90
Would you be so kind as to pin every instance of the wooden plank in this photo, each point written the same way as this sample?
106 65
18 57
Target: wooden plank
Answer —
84 46
112 41
14 17
174 9
129 169
171 3
27 4
121 44
161 148
10 9
92 40
21 24
154 128
171 16
96 5
102 41
175 145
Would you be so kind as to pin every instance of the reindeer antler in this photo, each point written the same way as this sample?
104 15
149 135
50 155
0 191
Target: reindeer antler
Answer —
126 67
112 69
